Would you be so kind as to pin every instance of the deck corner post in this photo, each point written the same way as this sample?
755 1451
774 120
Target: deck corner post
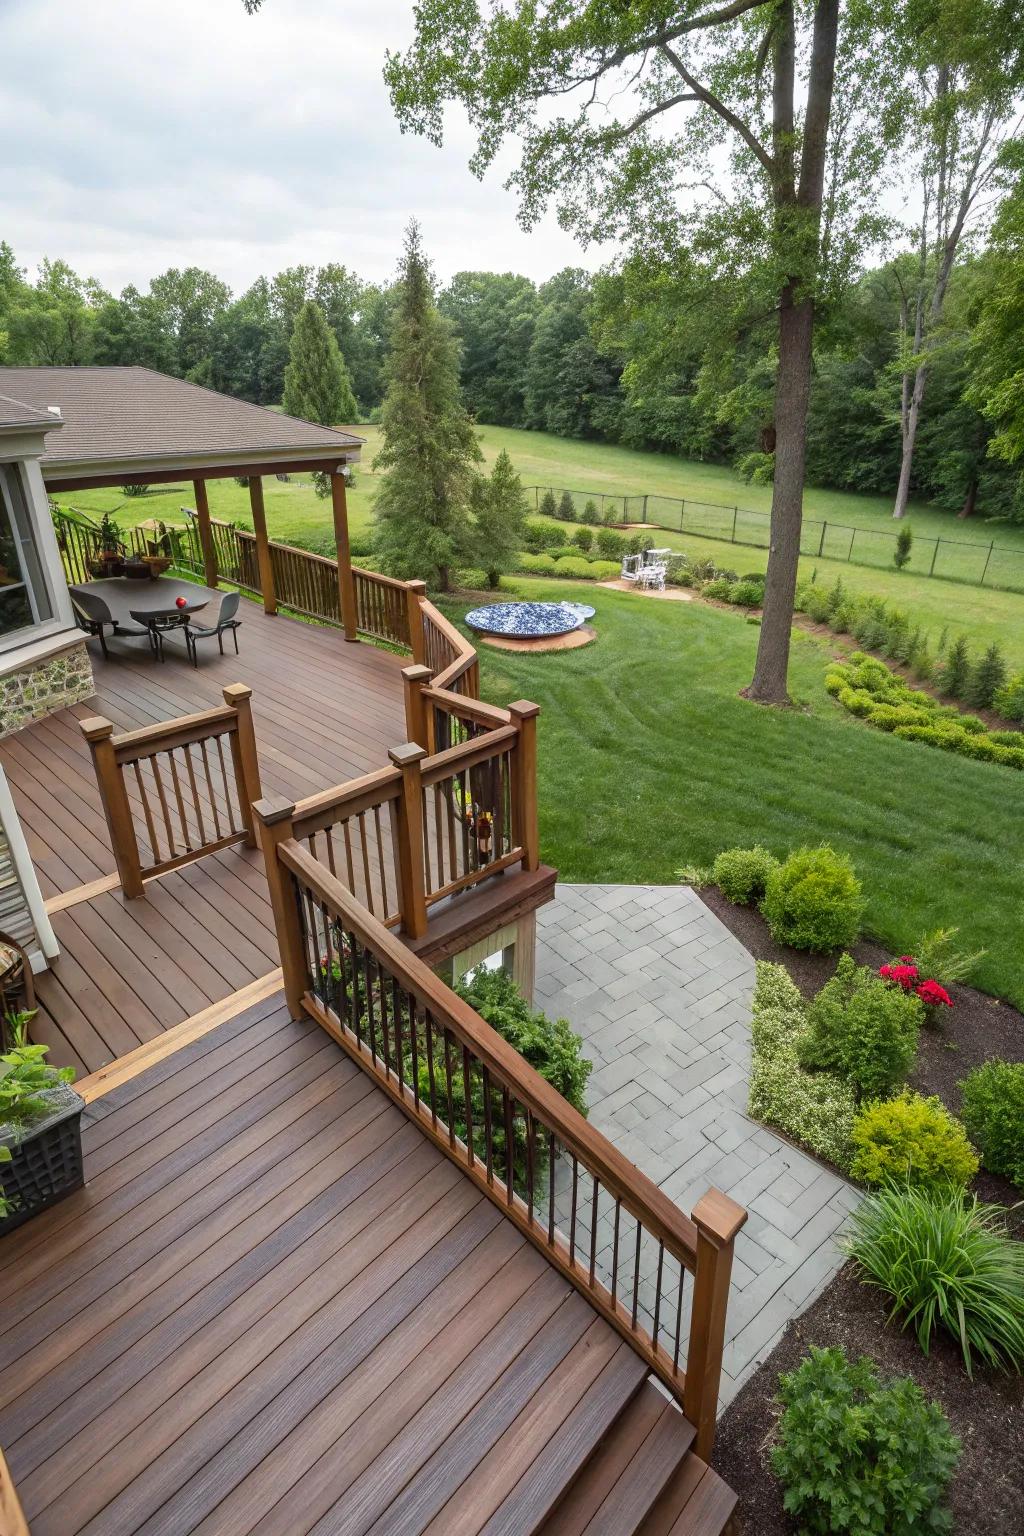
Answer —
206 543
263 555
415 592
414 680
274 819
408 758
524 781
99 733
346 581
717 1219
246 759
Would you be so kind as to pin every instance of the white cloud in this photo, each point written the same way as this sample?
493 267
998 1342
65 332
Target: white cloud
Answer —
141 135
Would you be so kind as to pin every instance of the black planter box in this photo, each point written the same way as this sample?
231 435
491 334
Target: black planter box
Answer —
46 1160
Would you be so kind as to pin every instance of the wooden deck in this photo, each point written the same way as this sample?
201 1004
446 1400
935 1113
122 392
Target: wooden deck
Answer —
324 711
277 1308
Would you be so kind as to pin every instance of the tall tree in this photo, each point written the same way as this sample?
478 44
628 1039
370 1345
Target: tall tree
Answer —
316 382
500 506
997 354
494 315
191 300
429 446
654 92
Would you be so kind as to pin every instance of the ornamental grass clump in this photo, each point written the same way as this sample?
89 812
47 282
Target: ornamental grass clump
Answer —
859 1455
948 1263
742 873
814 901
993 1111
863 1029
912 1140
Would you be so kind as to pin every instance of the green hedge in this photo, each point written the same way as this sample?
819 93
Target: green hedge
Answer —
575 567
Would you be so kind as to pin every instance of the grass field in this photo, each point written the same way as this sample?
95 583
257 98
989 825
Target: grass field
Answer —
649 761
293 511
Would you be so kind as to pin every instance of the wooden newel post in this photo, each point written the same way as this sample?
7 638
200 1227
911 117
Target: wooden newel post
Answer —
206 543
274 820
415 592
409 838
346 583
524 782
99 733
414 680
717 1219
263 556
246 759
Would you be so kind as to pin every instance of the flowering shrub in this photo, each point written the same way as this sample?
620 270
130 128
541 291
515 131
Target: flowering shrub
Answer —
906 974
815 1108
863 1029
912 1140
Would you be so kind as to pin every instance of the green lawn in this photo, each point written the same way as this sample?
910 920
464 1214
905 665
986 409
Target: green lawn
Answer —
293 511
649 760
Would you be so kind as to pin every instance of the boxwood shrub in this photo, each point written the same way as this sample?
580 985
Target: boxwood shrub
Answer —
863 1029
742 873
993 1111
912 1140
813 901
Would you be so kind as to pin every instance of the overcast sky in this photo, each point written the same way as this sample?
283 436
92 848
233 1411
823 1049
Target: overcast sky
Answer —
136 135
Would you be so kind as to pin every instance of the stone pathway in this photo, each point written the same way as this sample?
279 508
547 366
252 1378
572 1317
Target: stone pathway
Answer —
660 991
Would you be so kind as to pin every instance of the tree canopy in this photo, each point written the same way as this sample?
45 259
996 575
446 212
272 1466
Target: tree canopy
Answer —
316 383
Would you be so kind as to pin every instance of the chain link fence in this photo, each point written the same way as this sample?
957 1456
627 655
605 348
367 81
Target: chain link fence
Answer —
974 562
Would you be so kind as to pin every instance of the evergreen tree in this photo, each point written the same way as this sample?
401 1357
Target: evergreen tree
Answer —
548 505
500 519
957 671
316 383
429 446
904 544
567 507
986 679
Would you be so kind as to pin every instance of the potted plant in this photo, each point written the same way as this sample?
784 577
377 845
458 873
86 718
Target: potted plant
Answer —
109 561
40 1130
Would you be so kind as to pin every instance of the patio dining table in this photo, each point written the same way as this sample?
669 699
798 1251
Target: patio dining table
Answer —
150 603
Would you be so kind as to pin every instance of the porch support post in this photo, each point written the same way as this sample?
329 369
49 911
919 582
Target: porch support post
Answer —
346 584
205 533
414 680
409 827
717 1219
99 733
524 781
259 527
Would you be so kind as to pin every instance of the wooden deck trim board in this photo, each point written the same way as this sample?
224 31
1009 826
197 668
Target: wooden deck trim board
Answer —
12 1516
86 892
174 1039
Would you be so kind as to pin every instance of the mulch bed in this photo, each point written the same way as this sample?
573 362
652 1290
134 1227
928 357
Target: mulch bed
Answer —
988 1415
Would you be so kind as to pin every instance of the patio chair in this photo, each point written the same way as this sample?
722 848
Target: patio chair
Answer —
93 615
226 621
631 566
653 574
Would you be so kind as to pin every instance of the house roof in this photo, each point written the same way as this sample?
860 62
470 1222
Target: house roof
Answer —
16 414
134 418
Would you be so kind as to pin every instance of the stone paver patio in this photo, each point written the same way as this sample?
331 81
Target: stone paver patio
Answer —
660 991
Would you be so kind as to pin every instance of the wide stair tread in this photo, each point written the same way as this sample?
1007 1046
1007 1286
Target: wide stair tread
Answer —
644 1469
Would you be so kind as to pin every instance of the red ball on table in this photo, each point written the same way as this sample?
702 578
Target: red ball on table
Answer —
181 602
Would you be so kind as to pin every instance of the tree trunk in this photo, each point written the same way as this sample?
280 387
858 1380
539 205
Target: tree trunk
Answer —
970 500
792 390
913 417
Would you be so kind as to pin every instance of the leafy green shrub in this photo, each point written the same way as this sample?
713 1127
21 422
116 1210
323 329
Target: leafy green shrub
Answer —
859 1455
609 544
719 588
583 538
993 1112
610 513
539 536
536 565
747 594
742 872
566 507
140 490
815 1108
986 679
947 1262
912 1140
548 505
1009 699
813 900
590 513
863 1029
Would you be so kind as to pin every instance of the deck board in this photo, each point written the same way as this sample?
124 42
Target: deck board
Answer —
276 1307
324 711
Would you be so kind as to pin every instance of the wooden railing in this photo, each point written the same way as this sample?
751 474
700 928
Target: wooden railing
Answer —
660 1279
449 655
78 540
175 791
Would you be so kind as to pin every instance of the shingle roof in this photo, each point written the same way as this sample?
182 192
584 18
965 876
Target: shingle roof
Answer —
15 413
134 414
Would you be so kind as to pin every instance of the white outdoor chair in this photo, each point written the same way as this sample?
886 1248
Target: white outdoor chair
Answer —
632 565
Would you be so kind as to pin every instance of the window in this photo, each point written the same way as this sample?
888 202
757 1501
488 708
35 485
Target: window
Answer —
24 598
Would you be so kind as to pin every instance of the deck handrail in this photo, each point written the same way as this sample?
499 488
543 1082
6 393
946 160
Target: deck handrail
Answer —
443 1064
167 804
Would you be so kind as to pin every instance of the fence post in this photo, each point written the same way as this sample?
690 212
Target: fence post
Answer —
717 1219
524 781
414 680
415 592
409 838
821 541
246 758
645 506
935 553
853 538
273 817
682 513
263 556
984 572
735 515
99 732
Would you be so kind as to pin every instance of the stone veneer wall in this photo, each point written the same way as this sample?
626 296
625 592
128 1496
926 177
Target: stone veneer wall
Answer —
39 689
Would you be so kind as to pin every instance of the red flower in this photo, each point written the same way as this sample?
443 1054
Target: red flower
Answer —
907 960
903 975
932 994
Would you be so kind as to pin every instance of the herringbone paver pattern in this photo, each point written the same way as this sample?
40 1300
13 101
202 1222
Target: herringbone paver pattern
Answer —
660 991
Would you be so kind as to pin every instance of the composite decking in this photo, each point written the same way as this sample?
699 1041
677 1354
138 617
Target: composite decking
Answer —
324 711
277 1308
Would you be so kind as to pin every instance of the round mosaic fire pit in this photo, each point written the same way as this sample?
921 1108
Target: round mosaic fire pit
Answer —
528 621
